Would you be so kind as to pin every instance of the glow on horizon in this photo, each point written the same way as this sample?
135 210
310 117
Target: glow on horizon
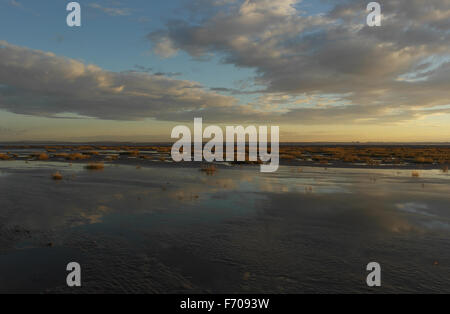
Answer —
86 130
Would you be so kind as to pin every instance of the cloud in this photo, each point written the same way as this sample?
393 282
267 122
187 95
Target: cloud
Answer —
396 72
111 11
39 83
163 45
319 69
15 3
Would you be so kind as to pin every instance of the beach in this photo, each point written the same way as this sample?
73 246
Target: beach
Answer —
160 228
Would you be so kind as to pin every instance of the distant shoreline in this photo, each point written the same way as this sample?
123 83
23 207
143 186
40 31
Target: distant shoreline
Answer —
397 157
4 144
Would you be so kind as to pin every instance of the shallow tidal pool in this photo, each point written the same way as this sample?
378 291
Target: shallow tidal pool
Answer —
166 229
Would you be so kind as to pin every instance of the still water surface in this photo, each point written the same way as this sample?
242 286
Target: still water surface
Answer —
176 230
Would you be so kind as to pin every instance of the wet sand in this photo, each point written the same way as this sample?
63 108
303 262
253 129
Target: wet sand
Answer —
166 229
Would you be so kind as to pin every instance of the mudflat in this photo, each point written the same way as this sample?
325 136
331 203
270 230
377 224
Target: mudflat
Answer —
162 228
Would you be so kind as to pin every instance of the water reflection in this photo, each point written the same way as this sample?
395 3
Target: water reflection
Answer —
314 222
30 198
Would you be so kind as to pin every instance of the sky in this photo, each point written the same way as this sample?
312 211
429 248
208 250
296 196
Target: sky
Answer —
137 68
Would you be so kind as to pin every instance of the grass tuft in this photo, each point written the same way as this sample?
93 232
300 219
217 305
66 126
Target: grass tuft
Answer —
4 157
415 174
95 166
77 156
43 156
57 176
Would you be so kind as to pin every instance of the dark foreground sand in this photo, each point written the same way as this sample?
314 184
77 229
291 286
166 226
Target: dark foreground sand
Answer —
165 229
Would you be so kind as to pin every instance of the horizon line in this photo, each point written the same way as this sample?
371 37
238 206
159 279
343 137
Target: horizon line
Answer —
43 142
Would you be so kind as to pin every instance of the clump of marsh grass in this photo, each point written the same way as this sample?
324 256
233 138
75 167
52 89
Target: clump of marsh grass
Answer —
445 169
77 156
415 174
163 149
61 155
423 160
95 166
43 156
287 157
57 176
131 153
4 157
111 158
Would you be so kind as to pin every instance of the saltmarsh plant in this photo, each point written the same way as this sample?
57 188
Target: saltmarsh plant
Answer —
57 176
77 156
61 155
111 158
424 160
287 156
130 152
95 166
43 156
